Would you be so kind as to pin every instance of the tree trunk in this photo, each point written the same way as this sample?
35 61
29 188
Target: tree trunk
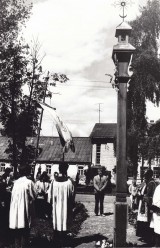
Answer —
142 169
14 162
23 157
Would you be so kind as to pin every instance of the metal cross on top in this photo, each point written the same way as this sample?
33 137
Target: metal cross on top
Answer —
123 5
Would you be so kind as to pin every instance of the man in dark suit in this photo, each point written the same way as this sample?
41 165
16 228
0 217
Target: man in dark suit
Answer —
100 182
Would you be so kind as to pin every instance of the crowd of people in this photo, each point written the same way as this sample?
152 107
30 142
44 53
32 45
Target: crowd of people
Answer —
145 199
24 199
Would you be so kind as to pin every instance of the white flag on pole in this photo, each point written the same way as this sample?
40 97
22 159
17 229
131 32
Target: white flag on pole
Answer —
63 131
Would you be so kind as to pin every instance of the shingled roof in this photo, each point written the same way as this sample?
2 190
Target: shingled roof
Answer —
51 150
104 131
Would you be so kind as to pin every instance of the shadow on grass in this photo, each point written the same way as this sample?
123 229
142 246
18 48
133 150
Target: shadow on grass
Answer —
87 239
108 214
74 242
42 233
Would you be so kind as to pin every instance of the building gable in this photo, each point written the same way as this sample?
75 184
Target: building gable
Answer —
104 133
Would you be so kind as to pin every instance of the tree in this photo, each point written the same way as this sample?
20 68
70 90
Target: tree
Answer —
12 72
19 112
38 90
153 142
19 67
144 84
13 14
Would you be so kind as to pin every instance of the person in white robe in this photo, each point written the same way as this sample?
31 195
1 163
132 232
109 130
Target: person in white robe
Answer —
61 194
21 207
155 223
144 229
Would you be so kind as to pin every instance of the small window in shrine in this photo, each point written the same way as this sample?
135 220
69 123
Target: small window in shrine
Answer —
123 37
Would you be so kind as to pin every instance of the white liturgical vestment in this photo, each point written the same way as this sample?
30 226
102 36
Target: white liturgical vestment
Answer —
61 196
21 207
156 216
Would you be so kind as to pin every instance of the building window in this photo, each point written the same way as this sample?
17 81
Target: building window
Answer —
156 172
2 168
48 168
152 162
98 153
81 170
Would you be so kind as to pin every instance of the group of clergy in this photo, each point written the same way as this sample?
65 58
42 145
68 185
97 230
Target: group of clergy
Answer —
60 195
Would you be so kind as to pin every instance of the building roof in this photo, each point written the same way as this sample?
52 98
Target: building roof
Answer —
124 26
51 149
104 130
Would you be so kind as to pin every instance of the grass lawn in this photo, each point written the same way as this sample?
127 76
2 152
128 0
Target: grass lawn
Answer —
41 234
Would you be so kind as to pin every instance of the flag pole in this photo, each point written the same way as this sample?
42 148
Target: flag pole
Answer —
63 156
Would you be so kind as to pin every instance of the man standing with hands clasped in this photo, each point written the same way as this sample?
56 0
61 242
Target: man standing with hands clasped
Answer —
100 183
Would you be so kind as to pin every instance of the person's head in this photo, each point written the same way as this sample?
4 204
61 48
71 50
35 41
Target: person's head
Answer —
44 176
134 182
100 171
63 167
39 170
148 175
8 171
24 170
55 174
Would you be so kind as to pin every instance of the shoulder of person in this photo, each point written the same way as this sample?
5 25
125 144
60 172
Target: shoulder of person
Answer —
71 179
157 186
105 177
96 177
152 182
30 181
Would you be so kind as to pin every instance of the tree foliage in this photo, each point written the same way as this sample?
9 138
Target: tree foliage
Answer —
19 112
145 81
20 66
13 14
153 142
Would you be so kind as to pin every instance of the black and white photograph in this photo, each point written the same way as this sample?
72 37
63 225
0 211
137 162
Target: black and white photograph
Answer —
79 123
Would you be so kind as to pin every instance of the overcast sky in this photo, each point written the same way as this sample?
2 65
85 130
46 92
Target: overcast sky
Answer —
77 37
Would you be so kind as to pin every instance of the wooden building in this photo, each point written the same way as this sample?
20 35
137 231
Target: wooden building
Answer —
51 152
103 138
95 150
